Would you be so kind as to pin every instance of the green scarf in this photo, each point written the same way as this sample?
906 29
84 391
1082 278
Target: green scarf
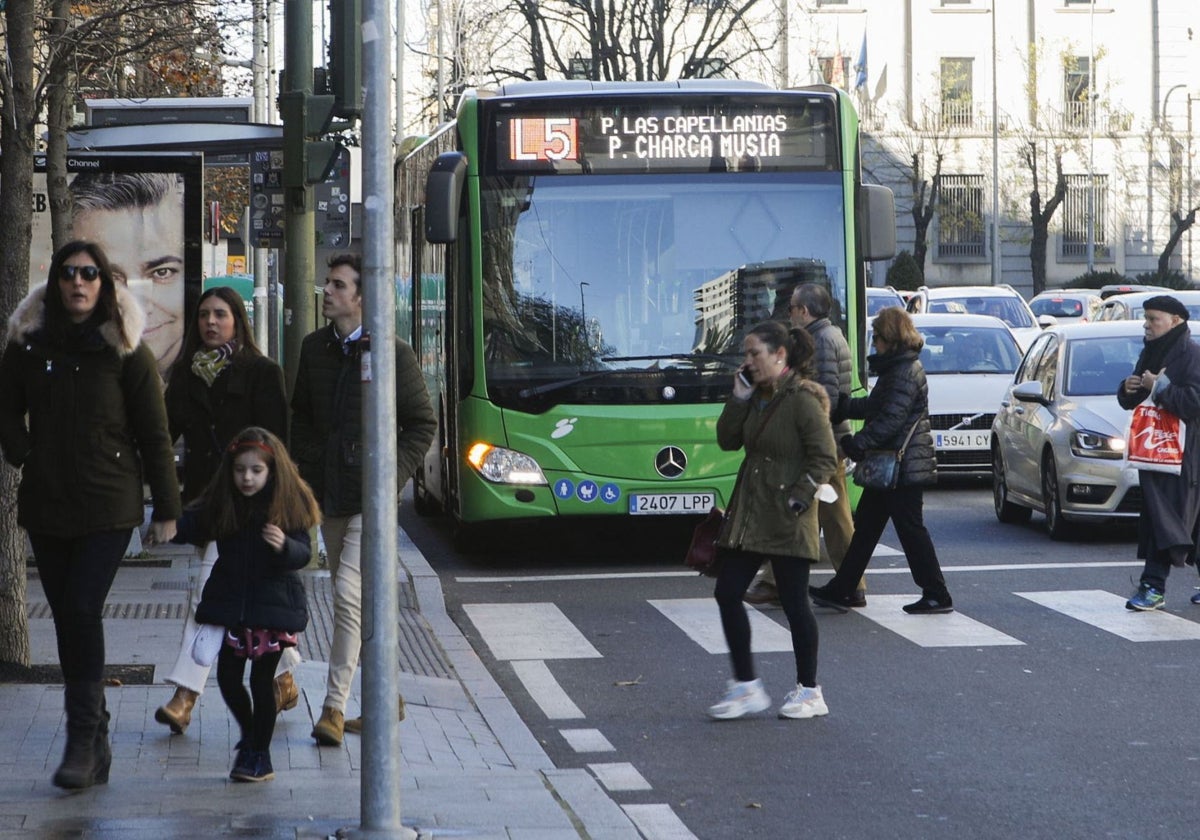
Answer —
208 364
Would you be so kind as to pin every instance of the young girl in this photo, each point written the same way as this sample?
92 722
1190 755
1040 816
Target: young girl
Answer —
259 511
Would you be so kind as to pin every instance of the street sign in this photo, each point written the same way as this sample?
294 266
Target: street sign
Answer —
333 204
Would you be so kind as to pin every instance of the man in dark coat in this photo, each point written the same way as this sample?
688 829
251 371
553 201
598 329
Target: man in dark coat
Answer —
1167 371
327 445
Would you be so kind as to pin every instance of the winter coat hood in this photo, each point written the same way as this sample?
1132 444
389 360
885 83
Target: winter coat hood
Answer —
30 316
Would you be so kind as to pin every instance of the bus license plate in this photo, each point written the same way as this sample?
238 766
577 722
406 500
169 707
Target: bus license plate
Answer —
647 504
961 440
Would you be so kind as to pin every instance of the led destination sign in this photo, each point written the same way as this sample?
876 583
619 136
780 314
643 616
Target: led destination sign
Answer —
727 136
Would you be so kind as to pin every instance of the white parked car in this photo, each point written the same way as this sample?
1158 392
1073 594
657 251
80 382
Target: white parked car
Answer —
1067 306
1058 441
1130 307
1003 302
969 362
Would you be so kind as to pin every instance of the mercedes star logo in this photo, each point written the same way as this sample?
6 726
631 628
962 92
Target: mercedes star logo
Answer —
670 462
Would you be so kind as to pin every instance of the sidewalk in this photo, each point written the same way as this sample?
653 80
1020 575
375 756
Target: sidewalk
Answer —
469 767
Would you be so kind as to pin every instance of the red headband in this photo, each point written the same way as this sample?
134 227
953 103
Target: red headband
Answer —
239 445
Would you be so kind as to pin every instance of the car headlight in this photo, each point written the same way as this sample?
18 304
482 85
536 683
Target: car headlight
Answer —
504 466
1085 444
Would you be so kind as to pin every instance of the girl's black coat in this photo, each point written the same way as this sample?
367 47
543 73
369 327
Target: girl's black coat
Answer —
251 585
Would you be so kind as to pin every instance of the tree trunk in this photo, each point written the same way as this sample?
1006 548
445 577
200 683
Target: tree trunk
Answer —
16 231
1179 226
1037 255
58 120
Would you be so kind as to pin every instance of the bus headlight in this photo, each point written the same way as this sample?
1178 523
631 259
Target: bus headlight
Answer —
504 466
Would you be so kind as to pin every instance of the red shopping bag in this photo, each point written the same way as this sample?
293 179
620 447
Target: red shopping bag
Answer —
1155 439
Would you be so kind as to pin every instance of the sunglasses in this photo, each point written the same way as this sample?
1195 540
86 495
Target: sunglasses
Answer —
87 272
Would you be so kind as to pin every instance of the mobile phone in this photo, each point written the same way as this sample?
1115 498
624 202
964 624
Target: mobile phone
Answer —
741 375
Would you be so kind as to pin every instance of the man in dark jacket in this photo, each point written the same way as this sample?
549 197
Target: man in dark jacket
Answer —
1167 371
809 309
327 445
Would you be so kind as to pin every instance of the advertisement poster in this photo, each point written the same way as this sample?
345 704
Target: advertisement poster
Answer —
146 211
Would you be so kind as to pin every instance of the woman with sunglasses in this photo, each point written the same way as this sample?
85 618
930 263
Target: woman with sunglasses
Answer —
220 385
83 418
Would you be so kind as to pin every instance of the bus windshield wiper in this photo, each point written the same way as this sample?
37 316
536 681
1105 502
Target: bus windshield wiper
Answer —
729 362
525 393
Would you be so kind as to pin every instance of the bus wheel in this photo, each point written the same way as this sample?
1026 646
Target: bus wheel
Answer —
424 503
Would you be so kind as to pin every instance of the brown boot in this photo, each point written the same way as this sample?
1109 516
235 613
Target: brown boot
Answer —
328 730
286 693
177 714
354 725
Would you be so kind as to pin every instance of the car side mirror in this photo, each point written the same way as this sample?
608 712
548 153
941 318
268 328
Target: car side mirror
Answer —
1045 321
1030 391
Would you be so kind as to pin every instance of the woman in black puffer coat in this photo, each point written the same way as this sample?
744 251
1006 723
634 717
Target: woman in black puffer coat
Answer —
898 402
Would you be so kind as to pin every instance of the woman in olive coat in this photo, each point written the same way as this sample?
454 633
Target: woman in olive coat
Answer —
781 420
896 406
221 384
82 416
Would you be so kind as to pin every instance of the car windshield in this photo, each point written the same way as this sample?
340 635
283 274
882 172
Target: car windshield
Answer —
963 349
1096 366
1058 307
1009 309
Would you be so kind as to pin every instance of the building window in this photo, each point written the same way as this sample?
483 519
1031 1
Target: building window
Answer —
832 2
956 2
957 83
835 70
1077 99
1075 216
960 216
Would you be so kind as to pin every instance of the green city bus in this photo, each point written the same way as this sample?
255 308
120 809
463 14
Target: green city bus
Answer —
582 261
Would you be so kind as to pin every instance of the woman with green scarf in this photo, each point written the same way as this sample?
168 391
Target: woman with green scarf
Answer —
221 384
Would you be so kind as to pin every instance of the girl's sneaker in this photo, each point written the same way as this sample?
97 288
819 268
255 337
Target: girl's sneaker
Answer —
803 702
741 698
253 766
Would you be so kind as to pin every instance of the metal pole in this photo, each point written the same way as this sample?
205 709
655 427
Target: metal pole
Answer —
399 71
1091 197
784 46
380 783
259 255
299 220
997 275
441 73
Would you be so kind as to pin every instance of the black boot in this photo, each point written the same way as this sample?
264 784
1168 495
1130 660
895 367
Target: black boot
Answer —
79 768
103 748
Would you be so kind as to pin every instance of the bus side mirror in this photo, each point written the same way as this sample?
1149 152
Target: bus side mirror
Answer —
877 220
443 190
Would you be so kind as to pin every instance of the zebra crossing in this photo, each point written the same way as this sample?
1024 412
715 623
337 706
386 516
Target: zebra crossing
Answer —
529 636
522 632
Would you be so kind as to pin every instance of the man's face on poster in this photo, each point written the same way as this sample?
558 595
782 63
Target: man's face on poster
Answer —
145 247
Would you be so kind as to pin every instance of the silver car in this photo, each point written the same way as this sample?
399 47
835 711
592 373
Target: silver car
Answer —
1058 440
1132 307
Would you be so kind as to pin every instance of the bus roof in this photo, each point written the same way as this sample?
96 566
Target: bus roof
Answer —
562 87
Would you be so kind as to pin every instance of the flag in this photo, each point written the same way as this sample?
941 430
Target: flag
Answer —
860 66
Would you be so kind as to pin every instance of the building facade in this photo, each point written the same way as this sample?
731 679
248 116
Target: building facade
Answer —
989 94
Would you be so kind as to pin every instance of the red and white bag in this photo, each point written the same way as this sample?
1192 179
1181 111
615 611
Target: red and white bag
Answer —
1155 440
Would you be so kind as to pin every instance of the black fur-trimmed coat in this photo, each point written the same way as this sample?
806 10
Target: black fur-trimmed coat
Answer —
96 427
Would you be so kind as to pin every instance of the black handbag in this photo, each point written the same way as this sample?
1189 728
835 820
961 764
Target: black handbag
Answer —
879 469
702 552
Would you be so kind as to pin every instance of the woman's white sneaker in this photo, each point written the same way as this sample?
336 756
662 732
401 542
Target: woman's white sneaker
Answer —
741 698
803 702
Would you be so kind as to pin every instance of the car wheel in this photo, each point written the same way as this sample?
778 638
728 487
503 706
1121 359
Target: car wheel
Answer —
1006 511
1056 526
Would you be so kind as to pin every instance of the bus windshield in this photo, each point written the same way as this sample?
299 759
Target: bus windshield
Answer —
612 288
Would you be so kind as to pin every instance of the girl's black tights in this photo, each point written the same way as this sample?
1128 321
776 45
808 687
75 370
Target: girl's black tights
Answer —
257 721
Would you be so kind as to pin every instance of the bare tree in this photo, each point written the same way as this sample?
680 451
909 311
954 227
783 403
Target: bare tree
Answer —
636 39
1041 212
